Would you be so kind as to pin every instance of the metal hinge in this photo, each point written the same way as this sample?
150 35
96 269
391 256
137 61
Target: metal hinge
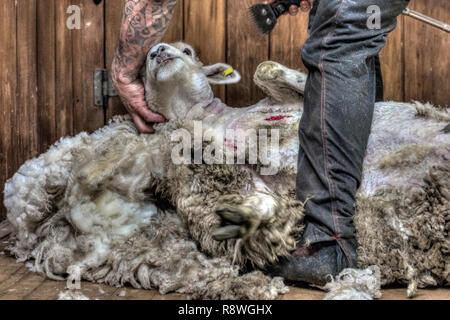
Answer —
103 88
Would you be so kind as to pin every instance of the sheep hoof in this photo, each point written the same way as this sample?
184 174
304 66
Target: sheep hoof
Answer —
237 222
269 71
227 232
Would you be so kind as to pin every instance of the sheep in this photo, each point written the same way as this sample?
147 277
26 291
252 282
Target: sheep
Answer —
117 207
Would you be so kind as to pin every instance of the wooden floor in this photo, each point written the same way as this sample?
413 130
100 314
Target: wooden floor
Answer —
18 282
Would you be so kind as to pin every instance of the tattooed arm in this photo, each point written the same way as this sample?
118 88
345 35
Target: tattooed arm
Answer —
144 23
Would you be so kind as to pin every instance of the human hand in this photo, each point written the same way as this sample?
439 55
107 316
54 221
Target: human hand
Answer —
143 25
305 5
133 97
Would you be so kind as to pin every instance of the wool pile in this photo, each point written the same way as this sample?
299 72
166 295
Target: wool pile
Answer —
87 210
354 284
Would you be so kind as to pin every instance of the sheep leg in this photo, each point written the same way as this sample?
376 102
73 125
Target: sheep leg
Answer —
243 220
282 84
259 225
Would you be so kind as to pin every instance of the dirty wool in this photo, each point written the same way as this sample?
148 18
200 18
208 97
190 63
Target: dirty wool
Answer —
119 236
353 284
113 208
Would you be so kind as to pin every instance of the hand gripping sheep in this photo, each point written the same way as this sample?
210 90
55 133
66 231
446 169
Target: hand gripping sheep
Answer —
88 207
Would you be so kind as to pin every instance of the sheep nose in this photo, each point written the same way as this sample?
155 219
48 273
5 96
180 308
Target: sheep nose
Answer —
158 52
161 49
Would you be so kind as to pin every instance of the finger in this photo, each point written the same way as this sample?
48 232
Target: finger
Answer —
228 232
293 10
149 115
141 125
305 5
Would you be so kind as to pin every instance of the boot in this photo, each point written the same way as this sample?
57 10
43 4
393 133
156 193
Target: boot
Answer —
315 264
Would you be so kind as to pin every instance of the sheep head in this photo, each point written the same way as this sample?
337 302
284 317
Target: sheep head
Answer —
176 80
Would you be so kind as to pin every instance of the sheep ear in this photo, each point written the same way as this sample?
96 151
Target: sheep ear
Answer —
221 73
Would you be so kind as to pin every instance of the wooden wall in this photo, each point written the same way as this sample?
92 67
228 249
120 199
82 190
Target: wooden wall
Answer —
46 70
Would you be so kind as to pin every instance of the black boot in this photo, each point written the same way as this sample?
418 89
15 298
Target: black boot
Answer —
314 265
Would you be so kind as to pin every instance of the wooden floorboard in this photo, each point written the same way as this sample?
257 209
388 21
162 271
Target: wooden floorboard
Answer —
7 270
18 282
5 229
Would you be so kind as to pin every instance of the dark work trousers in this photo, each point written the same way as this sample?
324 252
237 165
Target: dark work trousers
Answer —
341 56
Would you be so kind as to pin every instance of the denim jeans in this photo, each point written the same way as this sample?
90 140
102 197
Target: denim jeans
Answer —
341 56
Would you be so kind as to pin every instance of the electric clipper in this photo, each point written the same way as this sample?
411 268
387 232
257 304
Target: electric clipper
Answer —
265 16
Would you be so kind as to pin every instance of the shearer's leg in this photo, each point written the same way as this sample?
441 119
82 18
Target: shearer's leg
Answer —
339 101
379 80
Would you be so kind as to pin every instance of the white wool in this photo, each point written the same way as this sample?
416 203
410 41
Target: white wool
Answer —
112 215
28 194
109 218
278 287
355 284
30 267
396 224
72 295
122 293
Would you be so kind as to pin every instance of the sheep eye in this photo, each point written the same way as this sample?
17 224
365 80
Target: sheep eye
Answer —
188 52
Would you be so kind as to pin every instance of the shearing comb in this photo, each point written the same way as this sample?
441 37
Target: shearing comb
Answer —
265 16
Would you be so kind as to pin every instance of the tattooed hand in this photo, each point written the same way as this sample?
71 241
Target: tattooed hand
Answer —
144 23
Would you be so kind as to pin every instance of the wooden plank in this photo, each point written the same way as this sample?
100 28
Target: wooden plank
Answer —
63 71
8 87
422 294
205 30
246 50
8 268
113 18
287 40
50 289
25 125
392 64
6 229
46 73
17 282
426 55
303 293
137 294
13 279
175 32
88 55
25 286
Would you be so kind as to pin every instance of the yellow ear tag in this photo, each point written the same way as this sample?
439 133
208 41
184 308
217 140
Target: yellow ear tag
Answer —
227 72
